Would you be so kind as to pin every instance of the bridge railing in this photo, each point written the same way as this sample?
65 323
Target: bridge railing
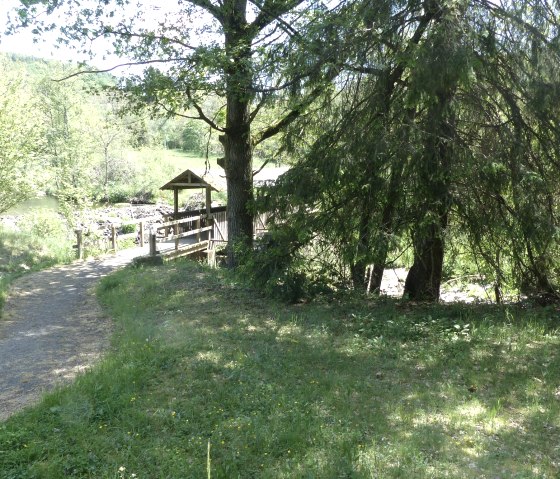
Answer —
175 230
83 240
155 232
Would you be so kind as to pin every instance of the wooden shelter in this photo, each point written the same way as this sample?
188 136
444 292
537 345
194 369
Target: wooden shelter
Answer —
199 230
190 179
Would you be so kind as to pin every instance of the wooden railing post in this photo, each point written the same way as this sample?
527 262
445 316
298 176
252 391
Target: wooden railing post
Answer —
211 254
176 232
153 250
114 237
79 243
141 234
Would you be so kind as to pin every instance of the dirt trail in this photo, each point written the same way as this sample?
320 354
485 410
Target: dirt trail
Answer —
51 329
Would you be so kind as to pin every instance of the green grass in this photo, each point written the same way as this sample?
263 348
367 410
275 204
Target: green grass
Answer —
353 390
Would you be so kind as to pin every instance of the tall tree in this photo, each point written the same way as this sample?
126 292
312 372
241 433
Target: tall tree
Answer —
448 118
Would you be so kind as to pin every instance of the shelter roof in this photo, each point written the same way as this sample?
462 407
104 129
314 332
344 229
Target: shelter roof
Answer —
200 178
191 179
267 176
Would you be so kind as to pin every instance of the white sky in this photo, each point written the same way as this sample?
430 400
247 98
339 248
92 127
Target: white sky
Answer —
22 42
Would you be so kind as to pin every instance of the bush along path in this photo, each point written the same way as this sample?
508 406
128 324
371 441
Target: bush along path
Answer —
52 328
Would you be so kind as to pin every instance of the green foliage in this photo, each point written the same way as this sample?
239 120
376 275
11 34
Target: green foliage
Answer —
78 145
44 224
227 80
436 143
273 267
21 139
126 229
316 390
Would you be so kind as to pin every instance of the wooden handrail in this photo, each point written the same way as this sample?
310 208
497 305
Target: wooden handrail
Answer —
178 222
183 235
137 221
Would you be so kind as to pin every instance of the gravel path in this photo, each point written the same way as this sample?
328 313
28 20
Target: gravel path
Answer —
51 329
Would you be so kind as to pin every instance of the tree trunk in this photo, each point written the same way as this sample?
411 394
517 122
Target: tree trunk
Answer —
239 176
424 278
238 150
359 266
380 251
387 222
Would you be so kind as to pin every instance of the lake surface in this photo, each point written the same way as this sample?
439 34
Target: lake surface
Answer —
28 206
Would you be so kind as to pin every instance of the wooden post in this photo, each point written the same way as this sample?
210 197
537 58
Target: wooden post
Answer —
175 214
208 201
209 218
114 237
167 229
153 250
211 251
141 226
198 228
79 243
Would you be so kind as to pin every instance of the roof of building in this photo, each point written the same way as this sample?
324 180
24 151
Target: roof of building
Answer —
200 178
190 179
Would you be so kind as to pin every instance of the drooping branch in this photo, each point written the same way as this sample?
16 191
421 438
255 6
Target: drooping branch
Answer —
128 34
295 112
120 65
272 10
215 11
201 115
189 117
506 14
334 71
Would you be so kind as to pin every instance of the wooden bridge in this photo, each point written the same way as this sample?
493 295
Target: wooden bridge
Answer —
181 233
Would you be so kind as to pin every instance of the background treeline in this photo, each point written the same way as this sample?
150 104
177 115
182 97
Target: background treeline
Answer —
73 140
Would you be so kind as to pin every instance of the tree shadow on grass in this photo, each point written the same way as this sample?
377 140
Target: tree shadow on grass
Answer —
306 395
317 391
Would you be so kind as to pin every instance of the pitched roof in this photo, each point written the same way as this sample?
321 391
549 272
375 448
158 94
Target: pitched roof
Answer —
200 178
190 179
269 175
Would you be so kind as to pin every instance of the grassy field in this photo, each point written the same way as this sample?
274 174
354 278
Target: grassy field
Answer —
208 380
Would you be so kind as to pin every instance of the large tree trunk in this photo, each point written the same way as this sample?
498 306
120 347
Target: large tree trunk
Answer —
424 278
239 175
387 221
237 143
359 266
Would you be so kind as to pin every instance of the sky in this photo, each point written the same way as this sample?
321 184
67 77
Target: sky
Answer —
23 43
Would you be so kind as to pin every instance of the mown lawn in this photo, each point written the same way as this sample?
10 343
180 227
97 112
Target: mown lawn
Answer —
208 379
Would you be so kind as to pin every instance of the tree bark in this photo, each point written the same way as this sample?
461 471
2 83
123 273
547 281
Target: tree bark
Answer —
424 278
237 143
239 176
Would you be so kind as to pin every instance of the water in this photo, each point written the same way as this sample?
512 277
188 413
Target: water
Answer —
28 206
